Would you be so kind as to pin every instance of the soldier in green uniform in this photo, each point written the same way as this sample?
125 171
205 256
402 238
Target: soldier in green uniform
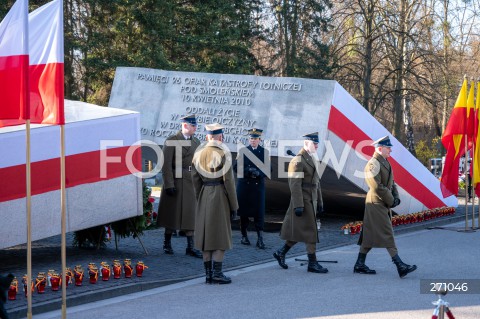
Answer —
382 195
214 186
300 224
177 201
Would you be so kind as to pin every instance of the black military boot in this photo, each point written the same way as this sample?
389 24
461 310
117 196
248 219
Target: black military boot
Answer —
314 266
218 276
280 256
245 240
360 267
208 271
403 269
190 251
260 243
167 244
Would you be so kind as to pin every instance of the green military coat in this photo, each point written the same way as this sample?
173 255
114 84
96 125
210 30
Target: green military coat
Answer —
216 198
178 211
377 224
306 193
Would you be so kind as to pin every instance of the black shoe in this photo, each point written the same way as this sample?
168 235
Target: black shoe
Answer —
402 268
245 241
314 266
360 267
363 269
167 244
190 251
260 243
208 271
193 252
167 248
218 276
279 255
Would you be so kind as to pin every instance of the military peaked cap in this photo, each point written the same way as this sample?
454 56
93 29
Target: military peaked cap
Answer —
214 129
190 119
312 137
384 141
255 132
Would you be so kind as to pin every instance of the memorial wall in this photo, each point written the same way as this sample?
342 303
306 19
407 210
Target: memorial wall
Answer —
285 108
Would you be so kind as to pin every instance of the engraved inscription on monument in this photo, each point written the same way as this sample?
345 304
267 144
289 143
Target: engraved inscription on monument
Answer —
238 102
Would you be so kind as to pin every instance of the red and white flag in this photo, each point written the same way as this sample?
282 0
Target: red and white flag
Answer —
46 64
46 71
14 63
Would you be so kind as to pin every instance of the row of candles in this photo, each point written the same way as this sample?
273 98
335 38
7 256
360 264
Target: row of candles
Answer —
54 280
355 227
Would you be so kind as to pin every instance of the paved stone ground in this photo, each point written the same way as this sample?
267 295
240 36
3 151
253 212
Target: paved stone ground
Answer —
163 269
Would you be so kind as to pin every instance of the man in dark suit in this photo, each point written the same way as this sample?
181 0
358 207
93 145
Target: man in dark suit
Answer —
300 223
377 231
177 201
251 186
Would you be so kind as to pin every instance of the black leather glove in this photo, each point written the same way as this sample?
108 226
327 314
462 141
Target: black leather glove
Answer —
299 211
171 191
233 215
396 202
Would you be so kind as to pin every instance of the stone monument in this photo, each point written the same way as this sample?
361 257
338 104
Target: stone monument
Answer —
285 108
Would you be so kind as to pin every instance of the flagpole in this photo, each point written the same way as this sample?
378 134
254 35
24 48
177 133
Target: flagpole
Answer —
472 188
472 150
465 165
475 148
63 221
29 221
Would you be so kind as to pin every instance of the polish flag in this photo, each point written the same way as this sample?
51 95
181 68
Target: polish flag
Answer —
46 76
46 64
14 63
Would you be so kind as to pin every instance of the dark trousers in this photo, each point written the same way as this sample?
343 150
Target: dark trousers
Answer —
245 221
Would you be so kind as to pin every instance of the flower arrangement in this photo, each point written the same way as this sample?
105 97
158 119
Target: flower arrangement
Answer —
355 227
150 215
